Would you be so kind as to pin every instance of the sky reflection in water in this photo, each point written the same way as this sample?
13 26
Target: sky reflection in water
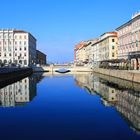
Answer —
80 106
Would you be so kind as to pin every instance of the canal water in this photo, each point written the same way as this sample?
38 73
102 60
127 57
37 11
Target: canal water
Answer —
82 106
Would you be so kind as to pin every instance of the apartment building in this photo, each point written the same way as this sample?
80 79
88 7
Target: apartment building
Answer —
18 47
18 93
108 46
85 81
129 41
83 52
105 48
89 51
95 51
41 57
128 104
80 53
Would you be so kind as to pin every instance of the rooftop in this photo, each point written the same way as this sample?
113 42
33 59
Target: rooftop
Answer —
134 17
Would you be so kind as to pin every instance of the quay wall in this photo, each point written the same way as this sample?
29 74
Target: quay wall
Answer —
10 75
121 74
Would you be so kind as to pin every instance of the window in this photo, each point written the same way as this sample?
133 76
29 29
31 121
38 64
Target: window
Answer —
112 47
112 54
25 37
4 48
136 36
9 49
20 61
20 42
15 43
24 42
15 48
132 38
20 49
24 48
15 54
5 54
113 40
5 61
16 63
136 43
25 62
0 53
10 54
24 54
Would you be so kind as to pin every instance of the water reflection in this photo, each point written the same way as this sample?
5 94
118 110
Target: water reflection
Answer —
123 95
19 93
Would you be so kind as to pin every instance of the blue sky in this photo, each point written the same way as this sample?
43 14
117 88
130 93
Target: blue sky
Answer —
60 24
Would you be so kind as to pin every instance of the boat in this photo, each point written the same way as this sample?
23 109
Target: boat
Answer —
62 71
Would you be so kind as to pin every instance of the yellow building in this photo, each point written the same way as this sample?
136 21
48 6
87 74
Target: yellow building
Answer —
105 49
96 51
80 54
108 48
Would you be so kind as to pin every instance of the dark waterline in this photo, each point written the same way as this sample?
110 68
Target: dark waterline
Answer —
80 107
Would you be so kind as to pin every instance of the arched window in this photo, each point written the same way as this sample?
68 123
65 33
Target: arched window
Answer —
25 62
5 61
20 61
10 61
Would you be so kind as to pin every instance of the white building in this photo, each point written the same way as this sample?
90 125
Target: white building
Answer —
18 47
18 93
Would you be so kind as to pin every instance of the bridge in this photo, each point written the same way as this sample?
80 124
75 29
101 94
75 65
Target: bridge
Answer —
53 68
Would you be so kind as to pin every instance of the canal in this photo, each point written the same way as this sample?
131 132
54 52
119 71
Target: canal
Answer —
82 106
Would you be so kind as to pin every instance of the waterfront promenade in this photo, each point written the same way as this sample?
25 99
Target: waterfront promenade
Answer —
133 76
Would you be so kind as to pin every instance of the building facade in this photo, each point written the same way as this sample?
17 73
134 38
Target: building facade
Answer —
83 52
89 51
17 47
18 93
129 41
94 51
105 48
108 46
80 53
41 57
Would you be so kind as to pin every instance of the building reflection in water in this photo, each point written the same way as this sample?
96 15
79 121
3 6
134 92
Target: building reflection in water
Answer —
126 100
20 92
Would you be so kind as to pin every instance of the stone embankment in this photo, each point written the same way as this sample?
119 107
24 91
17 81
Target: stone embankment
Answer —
133 76
10 75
